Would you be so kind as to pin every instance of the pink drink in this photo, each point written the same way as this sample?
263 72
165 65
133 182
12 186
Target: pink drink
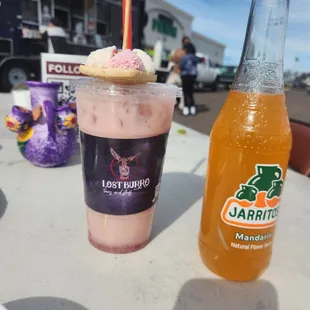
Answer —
124 130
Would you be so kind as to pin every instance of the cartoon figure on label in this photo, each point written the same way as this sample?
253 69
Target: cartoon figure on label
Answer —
124 164
255 205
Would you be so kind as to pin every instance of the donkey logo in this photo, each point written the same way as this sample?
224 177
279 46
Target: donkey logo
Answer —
123 164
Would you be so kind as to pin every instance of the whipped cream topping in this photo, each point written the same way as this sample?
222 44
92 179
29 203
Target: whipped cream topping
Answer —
111 57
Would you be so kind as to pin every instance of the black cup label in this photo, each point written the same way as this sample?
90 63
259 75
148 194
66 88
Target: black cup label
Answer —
122 176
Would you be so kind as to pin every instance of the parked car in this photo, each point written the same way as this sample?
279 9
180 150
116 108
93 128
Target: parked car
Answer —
307 82
299 81
207 75
226 75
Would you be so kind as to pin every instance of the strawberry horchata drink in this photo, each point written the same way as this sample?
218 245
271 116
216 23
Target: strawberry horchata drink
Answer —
124 121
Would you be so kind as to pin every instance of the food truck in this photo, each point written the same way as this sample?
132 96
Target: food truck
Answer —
89 25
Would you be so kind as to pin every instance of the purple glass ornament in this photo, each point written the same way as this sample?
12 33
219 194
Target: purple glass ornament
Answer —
44 144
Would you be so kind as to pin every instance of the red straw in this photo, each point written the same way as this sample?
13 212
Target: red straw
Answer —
128 43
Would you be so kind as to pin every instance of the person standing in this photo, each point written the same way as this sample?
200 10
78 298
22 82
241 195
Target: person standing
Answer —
46 15
79 37
188 67
185 41
56 37
174 78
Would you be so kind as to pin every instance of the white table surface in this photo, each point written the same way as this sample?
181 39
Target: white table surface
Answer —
46 261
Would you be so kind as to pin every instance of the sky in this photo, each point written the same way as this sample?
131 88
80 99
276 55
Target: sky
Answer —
225 21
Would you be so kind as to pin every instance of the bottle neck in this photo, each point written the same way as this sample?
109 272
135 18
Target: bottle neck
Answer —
261 65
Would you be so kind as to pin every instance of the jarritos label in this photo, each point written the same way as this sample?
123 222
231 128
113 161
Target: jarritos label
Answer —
255 204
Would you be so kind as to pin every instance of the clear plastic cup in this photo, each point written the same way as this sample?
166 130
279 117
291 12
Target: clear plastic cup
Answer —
124 131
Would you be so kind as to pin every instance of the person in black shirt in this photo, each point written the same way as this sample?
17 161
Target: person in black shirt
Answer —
188 67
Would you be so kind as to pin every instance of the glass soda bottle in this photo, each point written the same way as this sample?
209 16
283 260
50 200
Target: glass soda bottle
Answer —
250 145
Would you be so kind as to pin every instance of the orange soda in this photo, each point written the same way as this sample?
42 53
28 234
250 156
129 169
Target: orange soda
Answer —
238 219
250 145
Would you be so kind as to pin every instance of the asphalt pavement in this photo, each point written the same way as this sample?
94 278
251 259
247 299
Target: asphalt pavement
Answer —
209 105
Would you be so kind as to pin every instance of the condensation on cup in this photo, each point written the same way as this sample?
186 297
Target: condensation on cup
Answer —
123 131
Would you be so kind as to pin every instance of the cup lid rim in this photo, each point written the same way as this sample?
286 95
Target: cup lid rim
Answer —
96 85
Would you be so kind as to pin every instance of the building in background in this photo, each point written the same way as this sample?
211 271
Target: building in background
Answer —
167 23
212 48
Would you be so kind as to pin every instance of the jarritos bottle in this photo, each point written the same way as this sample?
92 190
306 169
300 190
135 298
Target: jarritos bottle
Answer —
249 153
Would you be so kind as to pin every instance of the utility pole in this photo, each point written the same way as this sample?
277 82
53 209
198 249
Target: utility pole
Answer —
295 66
